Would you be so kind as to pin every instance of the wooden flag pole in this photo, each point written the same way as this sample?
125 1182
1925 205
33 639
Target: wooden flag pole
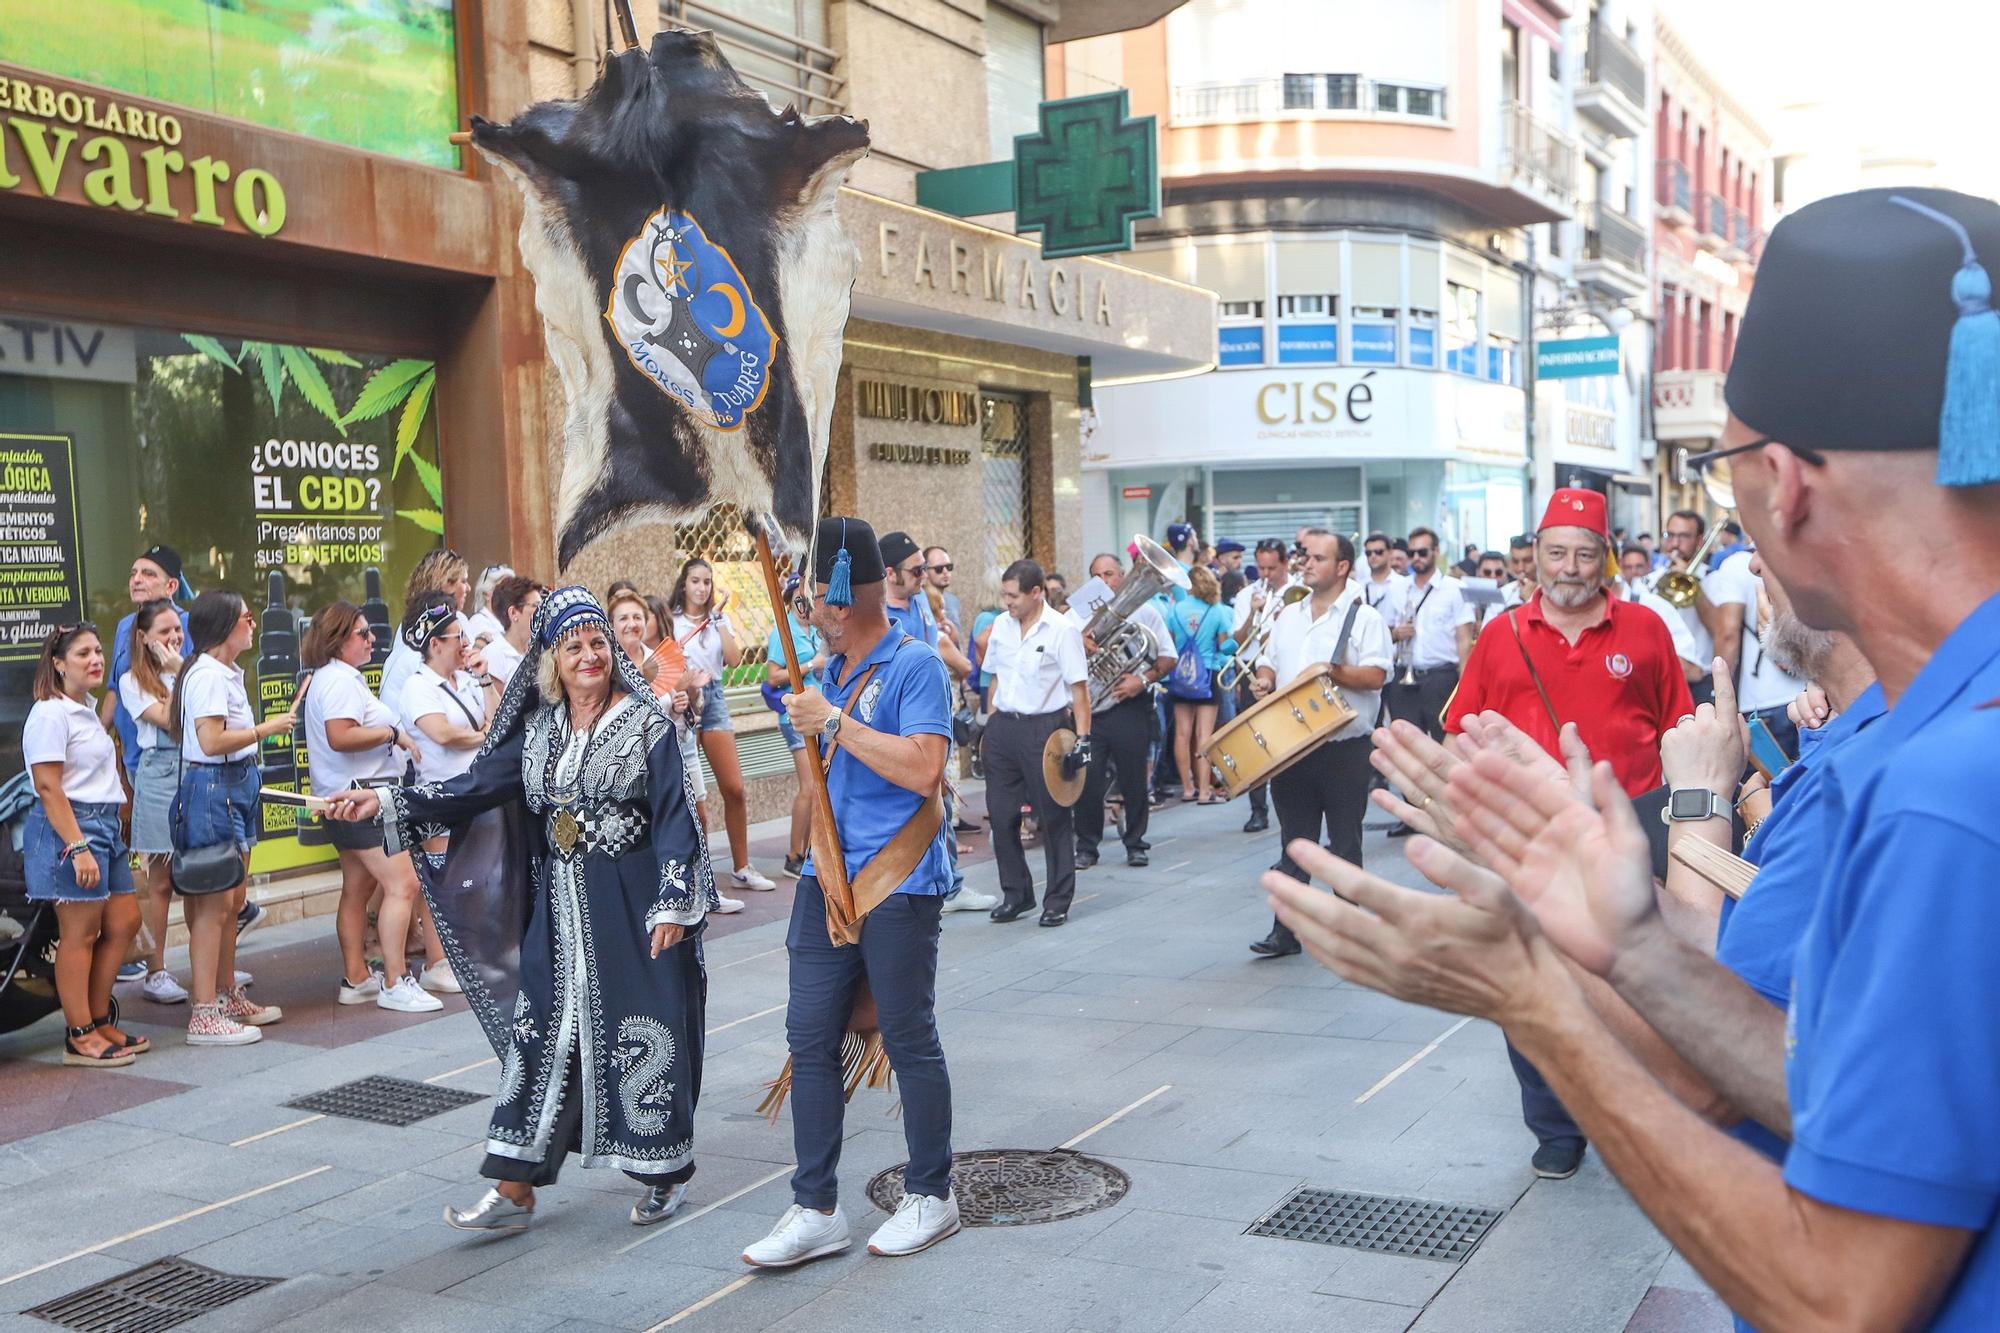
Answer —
628 32
829 861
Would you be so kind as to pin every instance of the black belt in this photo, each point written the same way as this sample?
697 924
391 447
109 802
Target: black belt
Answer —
612 829
1028 717
1421 672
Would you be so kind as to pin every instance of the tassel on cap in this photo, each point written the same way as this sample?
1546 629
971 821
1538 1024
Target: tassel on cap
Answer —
840 588
1969 425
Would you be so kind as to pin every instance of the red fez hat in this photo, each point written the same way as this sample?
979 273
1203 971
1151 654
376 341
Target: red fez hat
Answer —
1574 507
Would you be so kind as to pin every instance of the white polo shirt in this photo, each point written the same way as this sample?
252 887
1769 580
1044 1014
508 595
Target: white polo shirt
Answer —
1438 611
63 731
501 659
1034 668
1689 620
403 660
137 701
1760 682
1299 639
462 703
214 690
338 690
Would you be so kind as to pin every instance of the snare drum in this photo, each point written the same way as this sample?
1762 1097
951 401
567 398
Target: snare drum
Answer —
1279 731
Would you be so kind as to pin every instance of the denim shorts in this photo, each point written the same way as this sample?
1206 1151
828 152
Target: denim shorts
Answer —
793 741
218 803
41 850
714 709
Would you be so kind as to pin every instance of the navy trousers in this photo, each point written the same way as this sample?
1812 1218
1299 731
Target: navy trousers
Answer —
897 957
1545 1115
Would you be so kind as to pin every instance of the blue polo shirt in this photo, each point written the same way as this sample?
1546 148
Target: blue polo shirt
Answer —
1757 937
1893 1037
914 620
121 662
906 696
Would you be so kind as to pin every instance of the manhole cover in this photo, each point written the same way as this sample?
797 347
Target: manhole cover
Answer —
157 1296
1423 1228
1018 1187
386 1101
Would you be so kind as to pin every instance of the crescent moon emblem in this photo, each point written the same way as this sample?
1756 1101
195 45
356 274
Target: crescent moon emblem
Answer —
737 314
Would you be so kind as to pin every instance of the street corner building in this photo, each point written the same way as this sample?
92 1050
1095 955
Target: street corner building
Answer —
285 325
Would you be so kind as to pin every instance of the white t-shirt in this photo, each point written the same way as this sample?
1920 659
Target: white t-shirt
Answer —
63 731
501 659
703 648
1760 682
214 690
427 694
137 701
338 690
1690 620
403 660
1438 610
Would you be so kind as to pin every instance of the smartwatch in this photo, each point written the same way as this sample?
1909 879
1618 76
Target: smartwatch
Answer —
1692 805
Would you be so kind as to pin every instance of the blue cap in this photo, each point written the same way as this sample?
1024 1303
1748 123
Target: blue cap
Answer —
1228 544
1179 534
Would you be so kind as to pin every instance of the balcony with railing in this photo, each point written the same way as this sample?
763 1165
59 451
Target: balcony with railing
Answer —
1673 191
1613 91
1688 405
787 67
1745 241
1712 220
1614 253
1538 159
1291 96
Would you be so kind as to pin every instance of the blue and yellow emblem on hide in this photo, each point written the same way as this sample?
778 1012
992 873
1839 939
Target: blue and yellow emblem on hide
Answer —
686 319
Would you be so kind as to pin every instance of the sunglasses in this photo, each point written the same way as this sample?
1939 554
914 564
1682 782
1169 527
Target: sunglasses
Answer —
1714 472
1416 551
1375 550
944 568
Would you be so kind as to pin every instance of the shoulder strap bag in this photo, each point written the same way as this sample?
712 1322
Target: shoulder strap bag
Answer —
196 871
1534 675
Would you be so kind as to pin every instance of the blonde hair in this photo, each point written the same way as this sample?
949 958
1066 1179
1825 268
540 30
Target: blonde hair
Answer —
1203 585
548 678
434 569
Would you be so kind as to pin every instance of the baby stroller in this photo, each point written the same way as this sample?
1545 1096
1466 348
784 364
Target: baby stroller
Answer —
27 929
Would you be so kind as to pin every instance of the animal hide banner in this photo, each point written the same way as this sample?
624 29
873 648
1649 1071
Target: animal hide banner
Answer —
693 282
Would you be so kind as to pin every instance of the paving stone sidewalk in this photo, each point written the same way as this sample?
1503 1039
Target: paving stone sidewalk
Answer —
1143 1031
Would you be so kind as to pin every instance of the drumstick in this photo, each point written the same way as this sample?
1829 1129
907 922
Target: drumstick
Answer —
1725 870
276 797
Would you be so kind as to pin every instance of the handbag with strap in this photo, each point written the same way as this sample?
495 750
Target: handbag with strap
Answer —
1547 704
197 871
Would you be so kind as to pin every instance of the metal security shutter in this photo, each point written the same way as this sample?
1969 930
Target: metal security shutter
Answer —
1013 78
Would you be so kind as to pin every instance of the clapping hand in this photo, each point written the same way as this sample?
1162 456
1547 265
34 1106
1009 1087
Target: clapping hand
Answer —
1422 769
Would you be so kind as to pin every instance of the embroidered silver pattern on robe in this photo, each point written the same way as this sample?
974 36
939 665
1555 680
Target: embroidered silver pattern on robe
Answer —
644 1055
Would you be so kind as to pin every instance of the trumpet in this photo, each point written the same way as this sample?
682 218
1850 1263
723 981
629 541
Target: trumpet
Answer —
1244 660
1679 587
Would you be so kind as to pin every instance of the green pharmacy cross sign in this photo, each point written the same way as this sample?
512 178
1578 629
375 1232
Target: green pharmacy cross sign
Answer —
1082 180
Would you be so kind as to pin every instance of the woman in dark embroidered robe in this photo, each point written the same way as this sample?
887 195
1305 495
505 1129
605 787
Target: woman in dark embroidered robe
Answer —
571 904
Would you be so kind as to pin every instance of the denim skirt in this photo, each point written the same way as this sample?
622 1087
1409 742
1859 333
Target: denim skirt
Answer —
218 803
153 801
51 878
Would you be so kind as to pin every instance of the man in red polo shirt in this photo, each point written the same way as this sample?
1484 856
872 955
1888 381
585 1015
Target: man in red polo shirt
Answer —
1605 664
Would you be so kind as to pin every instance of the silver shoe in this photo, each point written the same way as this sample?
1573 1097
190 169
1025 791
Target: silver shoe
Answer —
494 1212
661 1202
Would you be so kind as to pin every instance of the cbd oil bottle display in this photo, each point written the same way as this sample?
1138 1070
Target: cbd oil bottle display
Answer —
277 683
376 612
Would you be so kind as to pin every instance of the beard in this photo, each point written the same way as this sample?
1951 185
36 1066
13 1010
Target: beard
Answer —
1797 647
1570 594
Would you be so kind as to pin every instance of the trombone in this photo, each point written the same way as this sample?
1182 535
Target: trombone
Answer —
1244 660
1679 587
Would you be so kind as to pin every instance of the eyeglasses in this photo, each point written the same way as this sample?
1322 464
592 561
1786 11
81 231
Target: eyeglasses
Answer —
1416 551
1375 550
1713 467
944 568
802 606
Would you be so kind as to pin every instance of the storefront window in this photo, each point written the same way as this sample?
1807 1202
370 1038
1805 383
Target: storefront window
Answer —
292 475
380 77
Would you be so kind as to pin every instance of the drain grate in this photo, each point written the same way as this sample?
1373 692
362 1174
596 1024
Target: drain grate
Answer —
386 1101
1018 1187
1423 1228
160 1295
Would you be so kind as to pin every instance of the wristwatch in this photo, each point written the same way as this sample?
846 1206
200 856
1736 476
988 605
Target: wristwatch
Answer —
830 729
1692 805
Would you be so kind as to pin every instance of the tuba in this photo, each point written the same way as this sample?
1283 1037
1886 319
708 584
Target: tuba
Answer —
1122 646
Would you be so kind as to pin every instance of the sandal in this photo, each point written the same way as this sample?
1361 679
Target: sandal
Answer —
136 1045
111 1057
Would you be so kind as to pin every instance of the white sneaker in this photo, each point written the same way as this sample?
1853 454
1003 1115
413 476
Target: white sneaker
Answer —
210 1025
724 904
243 979
920 1222
801 1234
407 997
439 977
971 900
746 877
161 988
350 993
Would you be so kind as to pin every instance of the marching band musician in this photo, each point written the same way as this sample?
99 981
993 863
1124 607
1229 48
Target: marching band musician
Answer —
1124 733
1330 785
1274 575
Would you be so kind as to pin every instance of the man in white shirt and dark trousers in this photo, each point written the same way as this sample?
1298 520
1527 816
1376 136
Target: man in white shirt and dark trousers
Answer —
1329 787
1122 733
1433 634
1273 577
1039 676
